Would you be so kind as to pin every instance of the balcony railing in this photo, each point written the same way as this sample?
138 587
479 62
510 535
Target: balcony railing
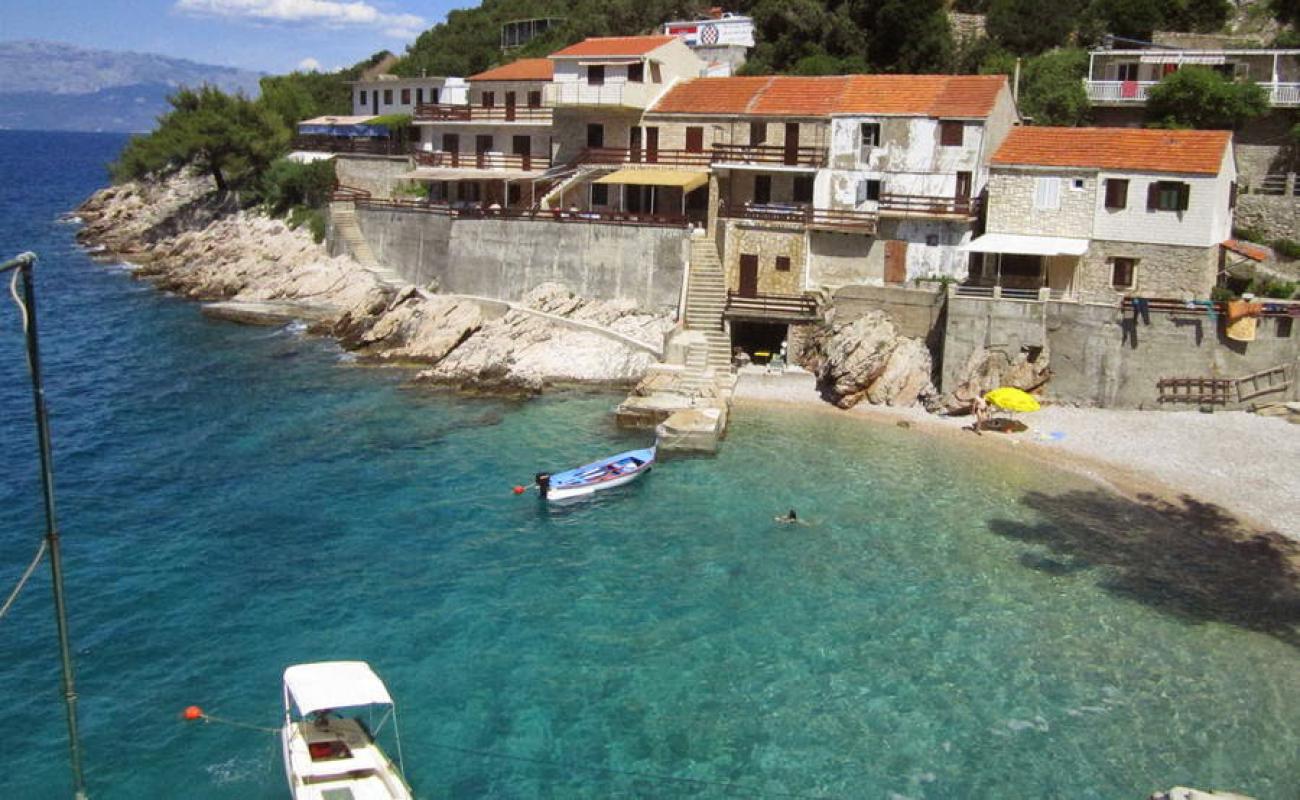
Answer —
448 159
581 93
339 144
470 211
917 205
769 154
1279 94
798 307
803 215
637 155
442 112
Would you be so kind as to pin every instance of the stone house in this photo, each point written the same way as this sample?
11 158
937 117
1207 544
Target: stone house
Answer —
828 181
490 149
1096 214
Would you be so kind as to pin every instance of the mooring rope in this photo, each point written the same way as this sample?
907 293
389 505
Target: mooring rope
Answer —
40 553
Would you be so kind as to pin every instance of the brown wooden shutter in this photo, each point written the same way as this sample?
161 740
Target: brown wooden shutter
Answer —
1232 195
1116 193
1153 196
1184 196
695 139
950 133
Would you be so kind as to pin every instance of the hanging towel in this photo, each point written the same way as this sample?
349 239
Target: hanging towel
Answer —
1142 308
1128 89
1243 330
1237 309
1208 305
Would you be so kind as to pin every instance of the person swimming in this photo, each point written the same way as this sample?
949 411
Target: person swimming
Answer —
791 517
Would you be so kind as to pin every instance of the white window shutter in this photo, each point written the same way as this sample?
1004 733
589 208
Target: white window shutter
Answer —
1047 194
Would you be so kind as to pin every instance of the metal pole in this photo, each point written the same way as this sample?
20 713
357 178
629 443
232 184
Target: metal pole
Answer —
25 264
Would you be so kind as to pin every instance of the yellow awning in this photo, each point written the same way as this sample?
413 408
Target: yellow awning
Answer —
685 179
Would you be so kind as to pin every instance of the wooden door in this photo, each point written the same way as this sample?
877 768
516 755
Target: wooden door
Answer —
695 139
634 145
510 106
791 143
895 261
748 275
963 185
522 146
651 145
451 145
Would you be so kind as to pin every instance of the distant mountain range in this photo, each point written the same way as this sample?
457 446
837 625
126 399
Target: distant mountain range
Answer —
54 86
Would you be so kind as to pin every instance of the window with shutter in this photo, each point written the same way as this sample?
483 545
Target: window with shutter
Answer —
695 139
1116 193
1168 196
1232 195
950 133
1047 194
1122 272
782 263
406 97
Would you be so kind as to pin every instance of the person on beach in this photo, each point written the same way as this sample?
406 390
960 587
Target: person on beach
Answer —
980 408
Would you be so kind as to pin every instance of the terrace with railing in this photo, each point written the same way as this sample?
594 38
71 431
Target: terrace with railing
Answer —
1125 77
772 307
441 112
917 205
478 211
581 93
1138 92
451 159
340 144
802 215
809 157
639 155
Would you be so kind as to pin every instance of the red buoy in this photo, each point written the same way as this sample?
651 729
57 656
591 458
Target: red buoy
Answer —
520 489
192 713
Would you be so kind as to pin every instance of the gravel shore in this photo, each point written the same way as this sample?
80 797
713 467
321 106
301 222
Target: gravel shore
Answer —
1244 463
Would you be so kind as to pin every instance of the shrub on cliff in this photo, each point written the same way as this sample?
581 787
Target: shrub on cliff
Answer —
287 184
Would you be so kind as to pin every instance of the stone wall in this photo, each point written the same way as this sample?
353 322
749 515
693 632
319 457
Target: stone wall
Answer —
1275 216
379 175
504 258
840 259
1164 271
1011 205
767 241
1100 356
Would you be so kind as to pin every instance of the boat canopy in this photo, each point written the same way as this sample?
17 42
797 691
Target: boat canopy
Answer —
333 684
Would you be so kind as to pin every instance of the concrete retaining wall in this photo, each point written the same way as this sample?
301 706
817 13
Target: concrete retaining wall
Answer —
1274 216
505 258
378 175
915 312
1101 357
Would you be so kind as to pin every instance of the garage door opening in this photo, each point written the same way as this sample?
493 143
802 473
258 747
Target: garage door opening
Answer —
760 340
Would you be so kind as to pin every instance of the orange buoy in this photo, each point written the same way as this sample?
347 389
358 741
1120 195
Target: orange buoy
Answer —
520 489
192 713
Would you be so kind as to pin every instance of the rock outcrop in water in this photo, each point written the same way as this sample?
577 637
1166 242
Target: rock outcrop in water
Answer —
188 239
867 359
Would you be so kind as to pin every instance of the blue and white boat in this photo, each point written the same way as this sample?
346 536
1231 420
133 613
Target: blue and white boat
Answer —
603 474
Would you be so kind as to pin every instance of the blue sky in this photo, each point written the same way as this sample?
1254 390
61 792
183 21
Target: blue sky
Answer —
265 35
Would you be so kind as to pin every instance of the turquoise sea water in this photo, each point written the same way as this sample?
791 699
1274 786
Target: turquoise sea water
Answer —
238 499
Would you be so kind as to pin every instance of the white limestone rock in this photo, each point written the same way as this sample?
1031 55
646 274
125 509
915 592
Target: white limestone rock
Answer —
867 359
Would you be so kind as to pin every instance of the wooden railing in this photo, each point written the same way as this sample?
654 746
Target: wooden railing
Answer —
800 306
769 154
526 213
339 144
349 194
441 112
927 205
490 160
1286 184
629 155
799 214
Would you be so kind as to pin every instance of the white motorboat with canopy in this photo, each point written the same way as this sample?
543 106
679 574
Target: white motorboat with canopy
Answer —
328 756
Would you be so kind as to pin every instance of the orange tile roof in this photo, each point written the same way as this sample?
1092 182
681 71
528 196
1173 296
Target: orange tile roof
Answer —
525 69
1135 149
614 46
1255 252
786 95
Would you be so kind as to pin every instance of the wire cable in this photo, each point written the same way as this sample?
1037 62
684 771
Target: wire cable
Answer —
40 553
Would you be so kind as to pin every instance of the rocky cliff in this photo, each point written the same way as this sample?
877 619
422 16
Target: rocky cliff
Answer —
188 239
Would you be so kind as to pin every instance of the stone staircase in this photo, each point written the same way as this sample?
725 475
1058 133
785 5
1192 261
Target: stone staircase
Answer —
343 216
706 299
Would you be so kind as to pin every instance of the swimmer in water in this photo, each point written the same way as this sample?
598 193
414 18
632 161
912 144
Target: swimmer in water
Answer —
789 518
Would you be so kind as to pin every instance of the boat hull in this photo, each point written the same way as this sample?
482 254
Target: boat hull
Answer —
588 479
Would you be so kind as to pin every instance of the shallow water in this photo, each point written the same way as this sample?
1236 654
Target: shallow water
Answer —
238 499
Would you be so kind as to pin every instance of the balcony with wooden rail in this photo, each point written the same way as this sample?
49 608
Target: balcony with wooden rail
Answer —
491 160
479 211
641 155
442 112
768 307
803 215
764 155
917 205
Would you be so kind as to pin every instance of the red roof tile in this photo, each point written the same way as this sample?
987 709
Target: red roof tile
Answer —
1135 149
614 46
525 69
783 95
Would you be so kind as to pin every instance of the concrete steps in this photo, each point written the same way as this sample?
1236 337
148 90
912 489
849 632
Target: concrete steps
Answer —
343 217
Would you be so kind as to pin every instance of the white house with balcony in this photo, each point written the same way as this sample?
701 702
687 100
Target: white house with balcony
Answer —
1098 214
1125 77
391 94
492 148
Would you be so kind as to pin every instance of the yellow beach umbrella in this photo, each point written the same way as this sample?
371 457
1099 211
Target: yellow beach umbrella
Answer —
1012 399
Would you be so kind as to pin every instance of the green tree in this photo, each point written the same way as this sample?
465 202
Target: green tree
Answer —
910 36
1205 16
1051 85
1286 11
1135 19
1028 27
1199 97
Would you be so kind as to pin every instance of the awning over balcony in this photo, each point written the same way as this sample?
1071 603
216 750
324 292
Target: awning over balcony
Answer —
447 174
1183 58
685 179
1027 245
341 126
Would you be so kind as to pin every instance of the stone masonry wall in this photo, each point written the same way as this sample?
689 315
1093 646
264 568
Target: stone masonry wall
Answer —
1011 204
379 175
1164 271
767 242
1274 216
